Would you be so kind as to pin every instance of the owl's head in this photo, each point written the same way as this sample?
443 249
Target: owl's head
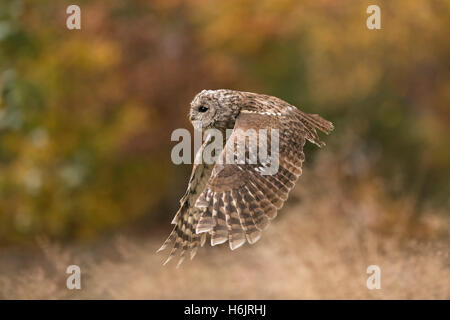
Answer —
215 109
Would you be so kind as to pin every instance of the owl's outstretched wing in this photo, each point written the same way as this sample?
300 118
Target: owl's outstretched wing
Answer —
239 200
183 235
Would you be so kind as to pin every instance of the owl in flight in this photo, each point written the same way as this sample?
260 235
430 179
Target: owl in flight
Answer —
235 202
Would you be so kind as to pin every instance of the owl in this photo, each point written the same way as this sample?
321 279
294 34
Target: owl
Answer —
235 201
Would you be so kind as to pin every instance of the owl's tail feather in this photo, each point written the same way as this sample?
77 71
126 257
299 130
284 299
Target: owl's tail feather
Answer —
313 122
320 123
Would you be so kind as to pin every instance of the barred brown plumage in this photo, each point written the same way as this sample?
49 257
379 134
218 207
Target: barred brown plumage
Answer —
236 202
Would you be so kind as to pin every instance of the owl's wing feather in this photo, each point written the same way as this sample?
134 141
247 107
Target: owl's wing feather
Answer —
238 200
183 236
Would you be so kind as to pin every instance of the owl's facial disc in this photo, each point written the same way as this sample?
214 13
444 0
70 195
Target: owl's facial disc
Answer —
215 109
202 112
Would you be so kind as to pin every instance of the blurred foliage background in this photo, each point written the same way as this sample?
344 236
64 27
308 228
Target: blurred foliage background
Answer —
86 115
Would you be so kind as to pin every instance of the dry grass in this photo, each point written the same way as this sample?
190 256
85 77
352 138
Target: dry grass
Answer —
319 248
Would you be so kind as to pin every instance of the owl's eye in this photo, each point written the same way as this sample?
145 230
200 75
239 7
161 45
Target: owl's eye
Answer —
202 109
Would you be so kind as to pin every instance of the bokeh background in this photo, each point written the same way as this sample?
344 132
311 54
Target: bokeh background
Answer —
85 123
